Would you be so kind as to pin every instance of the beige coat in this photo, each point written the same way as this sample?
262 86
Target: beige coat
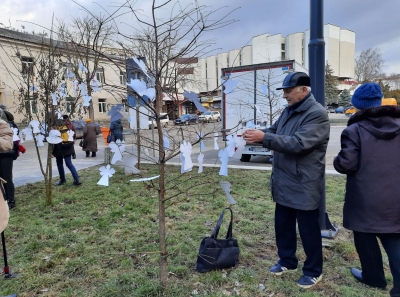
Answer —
6 137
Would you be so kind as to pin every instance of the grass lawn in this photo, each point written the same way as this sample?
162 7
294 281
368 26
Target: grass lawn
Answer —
102 241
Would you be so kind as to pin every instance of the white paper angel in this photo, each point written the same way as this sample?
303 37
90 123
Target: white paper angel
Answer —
106 172
202 145
141 65
230 85
186 152
117 153
54 137
94 84
166 139
138 86
39 139
223 157
54 98
82 68
193 97
226 186
15 134
71 75
216 147
35 126
62 92
121 145
70 135
129 163
231 145
59 114
200 159
83 88
86 100
28 133
240 143
33 88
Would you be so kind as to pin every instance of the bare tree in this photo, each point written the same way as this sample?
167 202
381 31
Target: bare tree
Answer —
368 65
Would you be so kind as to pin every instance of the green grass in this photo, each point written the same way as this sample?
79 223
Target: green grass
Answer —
103 241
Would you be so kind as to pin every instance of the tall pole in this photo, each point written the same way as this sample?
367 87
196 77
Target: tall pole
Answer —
316 66
255 96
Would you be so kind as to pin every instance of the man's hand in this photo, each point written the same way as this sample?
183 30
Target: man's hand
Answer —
253 135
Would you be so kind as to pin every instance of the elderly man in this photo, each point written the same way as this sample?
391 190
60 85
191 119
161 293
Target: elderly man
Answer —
299 139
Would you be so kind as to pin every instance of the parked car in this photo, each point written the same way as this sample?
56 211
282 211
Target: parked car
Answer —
210 116
79 125
330 109
164 120
340 109
187 119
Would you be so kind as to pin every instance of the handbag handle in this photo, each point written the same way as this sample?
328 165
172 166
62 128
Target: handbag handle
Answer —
214 234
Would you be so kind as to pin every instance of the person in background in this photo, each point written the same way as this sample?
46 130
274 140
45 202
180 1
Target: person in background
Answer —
63 151
299 139
116 130
90 132
369 157
9 152
71 127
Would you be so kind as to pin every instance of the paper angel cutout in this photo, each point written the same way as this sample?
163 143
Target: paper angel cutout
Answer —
231 145
166 140
15 135
260 112
54 137
240 143
106 172
226 186
71 75
202 145
62 92
146 151
115 113
250 125
54 98
193 97
35 126
59 114
94 84
140 87
267 92
70 135
28 133
129 163
141 65
186 152
230 85
86 100
83 88
144 179
82 68
200 159
39 139
117 154
223 157
216 147
33 88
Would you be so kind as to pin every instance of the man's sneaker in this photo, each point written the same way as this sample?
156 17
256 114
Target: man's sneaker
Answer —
278 269
60 182
308 281
76 182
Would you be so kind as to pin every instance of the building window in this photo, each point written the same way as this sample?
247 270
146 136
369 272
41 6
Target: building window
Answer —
31 105
283 46
67 67
69 104
122 78
102 105
27 65
227 61
100 75
283 56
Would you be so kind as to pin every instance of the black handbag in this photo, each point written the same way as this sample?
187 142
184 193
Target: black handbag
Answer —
109 137
217 253
83 143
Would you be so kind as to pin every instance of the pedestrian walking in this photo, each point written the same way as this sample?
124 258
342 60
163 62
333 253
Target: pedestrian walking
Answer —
370 159
63 151
71 127
90 132
299 139
116 130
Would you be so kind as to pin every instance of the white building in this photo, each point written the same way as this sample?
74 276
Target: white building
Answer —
265 48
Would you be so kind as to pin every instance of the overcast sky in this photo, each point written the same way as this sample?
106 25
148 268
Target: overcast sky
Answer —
375 22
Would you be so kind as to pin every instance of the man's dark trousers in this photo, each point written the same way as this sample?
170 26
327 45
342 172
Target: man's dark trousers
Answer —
310 234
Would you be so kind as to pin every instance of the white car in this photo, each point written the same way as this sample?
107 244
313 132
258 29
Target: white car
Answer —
210 116
164 121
